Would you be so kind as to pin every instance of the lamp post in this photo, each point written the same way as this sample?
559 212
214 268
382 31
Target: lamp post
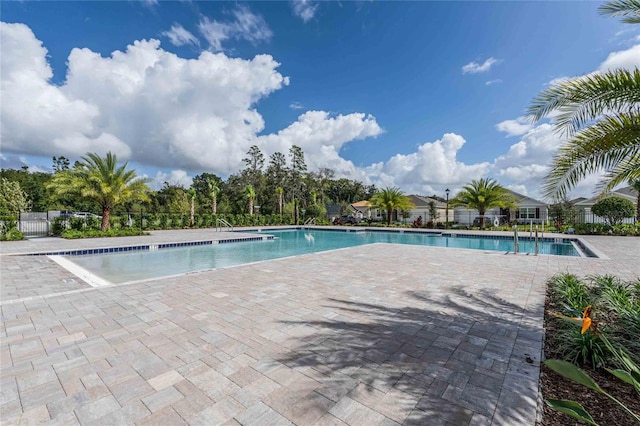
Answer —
446 223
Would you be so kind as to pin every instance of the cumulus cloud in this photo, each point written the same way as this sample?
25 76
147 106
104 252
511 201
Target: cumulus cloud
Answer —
296 105
38 117
475 67
627 59
151 106
431 168
178 36
321 136
304 9
244 25
174 177
517 127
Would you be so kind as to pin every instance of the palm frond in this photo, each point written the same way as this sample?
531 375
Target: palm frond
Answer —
583 99
629 10
611 145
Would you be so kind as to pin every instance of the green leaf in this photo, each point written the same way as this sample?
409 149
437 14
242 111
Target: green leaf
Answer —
622 375
570 371
571 408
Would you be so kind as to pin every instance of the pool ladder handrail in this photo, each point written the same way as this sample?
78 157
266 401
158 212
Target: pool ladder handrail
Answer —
220 222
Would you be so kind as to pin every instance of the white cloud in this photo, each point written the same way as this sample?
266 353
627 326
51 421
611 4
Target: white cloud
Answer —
296 105
304 9
492 82
517 127
321 136
474 67
430 169
245 25
174 177
39 118
150 106
627 59
178 36
144 103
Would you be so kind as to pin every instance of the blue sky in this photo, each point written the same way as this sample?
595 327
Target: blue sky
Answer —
421 95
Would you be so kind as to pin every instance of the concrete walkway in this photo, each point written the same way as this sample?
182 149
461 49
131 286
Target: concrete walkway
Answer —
379 334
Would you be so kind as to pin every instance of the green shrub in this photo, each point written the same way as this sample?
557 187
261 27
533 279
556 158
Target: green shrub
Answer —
12 234
58 225
72 234
571 291
618 306
76 223
163 220
614 209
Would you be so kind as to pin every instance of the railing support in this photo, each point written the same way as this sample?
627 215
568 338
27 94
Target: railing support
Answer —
220 222
515 239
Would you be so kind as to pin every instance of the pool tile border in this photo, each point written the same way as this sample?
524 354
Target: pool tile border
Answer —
149 247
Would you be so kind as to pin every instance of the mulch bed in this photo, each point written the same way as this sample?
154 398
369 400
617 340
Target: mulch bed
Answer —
603 410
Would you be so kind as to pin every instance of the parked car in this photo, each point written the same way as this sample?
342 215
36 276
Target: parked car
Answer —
86 215
351 219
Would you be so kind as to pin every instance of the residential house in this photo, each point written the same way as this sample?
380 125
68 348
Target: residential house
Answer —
529 210
422 207
583 208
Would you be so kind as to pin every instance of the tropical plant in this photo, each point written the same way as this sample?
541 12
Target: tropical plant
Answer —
600 115
391 199
191 195
482 195
101 180
628 9
627 371
250 194
614 209
214 190
635 184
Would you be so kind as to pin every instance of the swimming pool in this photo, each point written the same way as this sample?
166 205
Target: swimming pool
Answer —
144 264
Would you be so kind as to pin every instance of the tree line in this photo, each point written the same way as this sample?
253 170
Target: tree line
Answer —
281 184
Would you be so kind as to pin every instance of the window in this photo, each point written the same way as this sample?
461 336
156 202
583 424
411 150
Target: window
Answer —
529 213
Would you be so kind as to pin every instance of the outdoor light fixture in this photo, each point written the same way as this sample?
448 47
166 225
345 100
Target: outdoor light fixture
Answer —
446 223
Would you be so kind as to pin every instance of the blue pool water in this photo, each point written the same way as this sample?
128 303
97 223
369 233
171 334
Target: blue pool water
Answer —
138 265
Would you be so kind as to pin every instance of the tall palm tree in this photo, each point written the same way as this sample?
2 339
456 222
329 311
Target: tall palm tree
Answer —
390 199
482 195
600 115
191 195
635 184
214 190
279 192
250 193
101 180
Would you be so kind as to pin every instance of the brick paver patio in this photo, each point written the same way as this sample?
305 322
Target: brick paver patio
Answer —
379 334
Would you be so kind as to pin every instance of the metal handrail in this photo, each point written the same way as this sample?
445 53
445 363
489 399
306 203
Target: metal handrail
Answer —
222 222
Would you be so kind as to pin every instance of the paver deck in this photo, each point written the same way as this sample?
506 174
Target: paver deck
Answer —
379 334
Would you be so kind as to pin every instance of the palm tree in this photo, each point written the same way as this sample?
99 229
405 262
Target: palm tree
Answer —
628 9
635 184
214 190
191 195
101 180
482 195
390 199
600 115
279 192
250 193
